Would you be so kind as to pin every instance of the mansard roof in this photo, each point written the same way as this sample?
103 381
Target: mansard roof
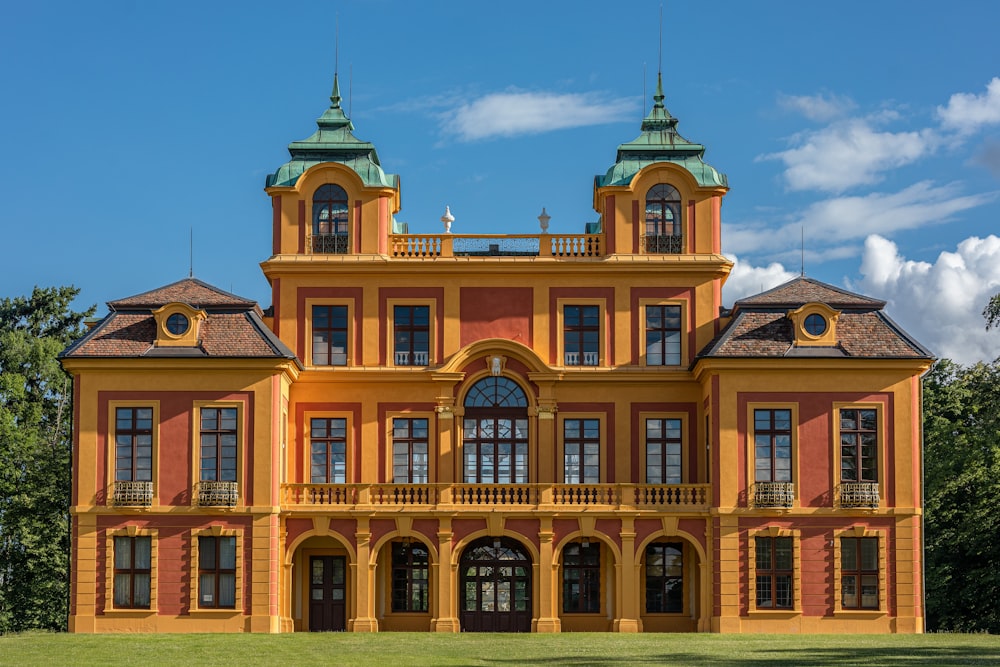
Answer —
660 141
800 291
193 292
333 141
760 327
232 328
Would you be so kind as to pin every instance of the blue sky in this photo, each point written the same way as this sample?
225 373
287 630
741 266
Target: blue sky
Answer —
872 126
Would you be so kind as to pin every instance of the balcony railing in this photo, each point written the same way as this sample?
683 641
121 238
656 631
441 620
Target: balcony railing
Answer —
417 358
585 359
327 244
432 246
859 494
132 494
773 494
218 494
455 497
663 243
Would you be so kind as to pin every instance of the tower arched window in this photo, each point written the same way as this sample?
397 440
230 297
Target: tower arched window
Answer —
664 228
329 233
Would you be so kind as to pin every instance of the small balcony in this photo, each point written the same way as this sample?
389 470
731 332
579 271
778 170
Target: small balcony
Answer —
416 358
773 494
859 495
132 494
218 494
434 246
582 359
465 497
327 244
672 244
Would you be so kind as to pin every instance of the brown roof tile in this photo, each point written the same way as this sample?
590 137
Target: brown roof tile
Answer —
130 334
191 291
865 334
802 290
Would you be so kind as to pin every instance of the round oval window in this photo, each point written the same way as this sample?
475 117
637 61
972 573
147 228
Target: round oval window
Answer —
177 324
815 325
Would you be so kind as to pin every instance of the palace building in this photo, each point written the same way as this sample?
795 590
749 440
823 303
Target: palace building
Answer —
496 433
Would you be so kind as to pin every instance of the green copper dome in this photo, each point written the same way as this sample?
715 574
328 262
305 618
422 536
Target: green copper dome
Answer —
660 142
333 141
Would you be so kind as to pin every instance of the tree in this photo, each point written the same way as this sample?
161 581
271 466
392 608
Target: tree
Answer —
992 312
35 455
962 496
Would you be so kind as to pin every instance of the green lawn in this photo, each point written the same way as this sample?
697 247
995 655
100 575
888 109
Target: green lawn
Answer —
399 650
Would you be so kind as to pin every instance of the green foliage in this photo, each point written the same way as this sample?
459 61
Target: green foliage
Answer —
35 415
962 504
992 312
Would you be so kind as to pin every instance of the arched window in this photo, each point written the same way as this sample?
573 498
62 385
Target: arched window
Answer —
495 433
329 234
664 229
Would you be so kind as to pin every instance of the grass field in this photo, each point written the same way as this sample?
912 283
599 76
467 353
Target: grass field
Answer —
399 650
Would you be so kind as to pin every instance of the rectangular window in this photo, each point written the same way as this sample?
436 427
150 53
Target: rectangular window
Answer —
410 583
774 569
328 450
582 451
582 578
217 572
495 450
859 572
411 335
663 451
772 445
410 446
133 558
218 444
858 445
664 578
663 335
581 335
133 444
329 335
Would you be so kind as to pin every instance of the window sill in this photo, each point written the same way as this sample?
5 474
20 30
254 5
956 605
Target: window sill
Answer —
118 611
215 612
774 613
860 613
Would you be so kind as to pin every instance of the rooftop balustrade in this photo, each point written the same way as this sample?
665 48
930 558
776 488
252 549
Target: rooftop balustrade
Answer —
456 497
433 246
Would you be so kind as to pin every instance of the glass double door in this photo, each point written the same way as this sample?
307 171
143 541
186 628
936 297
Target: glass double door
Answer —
495 587
327 593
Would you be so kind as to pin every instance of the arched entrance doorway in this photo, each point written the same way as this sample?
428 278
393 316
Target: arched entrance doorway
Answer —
495 586
327 593
495 433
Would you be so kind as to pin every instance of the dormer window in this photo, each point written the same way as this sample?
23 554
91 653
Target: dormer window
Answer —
329 232
177 325
815 325
664 231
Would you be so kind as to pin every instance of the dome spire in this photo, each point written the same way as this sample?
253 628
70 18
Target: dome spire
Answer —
335 95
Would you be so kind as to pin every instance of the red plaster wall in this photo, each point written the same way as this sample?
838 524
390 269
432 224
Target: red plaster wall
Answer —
816 454
495 312
173 467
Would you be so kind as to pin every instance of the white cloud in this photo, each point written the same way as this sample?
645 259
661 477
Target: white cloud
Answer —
940 304
514 113
849 153
830 223
967 112
746 279
818 107
856 217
